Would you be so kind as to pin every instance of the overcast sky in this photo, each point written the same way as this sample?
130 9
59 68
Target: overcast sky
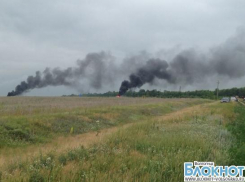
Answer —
35 34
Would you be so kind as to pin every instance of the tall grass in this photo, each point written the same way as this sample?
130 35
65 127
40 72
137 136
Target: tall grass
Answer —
237 128
30 121
151 150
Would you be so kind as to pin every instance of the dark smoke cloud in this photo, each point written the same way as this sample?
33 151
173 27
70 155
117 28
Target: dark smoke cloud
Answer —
187 67
154 68
190 66
94 68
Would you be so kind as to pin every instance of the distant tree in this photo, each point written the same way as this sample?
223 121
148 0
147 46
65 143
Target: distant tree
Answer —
208 94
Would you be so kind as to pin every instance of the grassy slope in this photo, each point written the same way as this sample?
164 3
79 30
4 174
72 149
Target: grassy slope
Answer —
151 150
154 150
25 121
29 121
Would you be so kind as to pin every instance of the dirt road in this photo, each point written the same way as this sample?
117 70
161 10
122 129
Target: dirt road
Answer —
242 103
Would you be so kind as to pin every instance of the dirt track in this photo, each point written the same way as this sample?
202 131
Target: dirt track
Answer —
242 103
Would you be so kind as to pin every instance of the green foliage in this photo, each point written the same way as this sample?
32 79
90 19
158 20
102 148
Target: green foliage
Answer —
26 129
237 127
15 132
150 150
233 92
36 177
19 134
208 94
62 159
72 155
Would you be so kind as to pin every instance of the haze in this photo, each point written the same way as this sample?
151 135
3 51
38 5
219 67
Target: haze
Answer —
39 34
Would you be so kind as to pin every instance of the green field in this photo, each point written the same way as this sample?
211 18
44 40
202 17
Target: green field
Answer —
115 139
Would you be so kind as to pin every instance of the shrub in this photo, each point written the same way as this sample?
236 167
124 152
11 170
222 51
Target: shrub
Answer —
62 159
20 134
72 155
36 177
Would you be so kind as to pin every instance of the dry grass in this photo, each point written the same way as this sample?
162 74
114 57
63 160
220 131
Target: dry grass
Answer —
29 105
63 143
151 117
58 145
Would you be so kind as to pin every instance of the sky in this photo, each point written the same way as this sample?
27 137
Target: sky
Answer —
35 35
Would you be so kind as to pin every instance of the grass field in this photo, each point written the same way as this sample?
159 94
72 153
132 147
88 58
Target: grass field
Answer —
115 139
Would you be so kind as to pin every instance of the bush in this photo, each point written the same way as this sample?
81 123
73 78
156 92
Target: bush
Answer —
36 177
19 134
62 159
72 155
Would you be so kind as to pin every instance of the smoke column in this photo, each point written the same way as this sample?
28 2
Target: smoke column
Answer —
154 68
190 66
187 67
92 68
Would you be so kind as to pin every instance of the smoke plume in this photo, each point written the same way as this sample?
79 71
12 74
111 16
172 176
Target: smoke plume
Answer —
93 69
187 67
154 68
190 66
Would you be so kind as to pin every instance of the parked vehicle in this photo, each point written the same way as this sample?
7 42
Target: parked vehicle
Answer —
234 99
225 99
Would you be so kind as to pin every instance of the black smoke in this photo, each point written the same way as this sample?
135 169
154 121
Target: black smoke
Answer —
191 66
187 67
154 68
93 68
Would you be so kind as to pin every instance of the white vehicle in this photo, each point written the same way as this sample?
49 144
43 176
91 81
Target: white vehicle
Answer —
234 99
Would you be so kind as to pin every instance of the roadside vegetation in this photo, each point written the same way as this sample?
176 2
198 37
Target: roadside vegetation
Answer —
163 134
237 128
206 94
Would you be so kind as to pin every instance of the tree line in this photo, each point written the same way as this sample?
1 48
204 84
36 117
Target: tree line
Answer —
207 94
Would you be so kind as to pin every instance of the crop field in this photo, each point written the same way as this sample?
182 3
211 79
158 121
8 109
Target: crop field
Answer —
115 139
